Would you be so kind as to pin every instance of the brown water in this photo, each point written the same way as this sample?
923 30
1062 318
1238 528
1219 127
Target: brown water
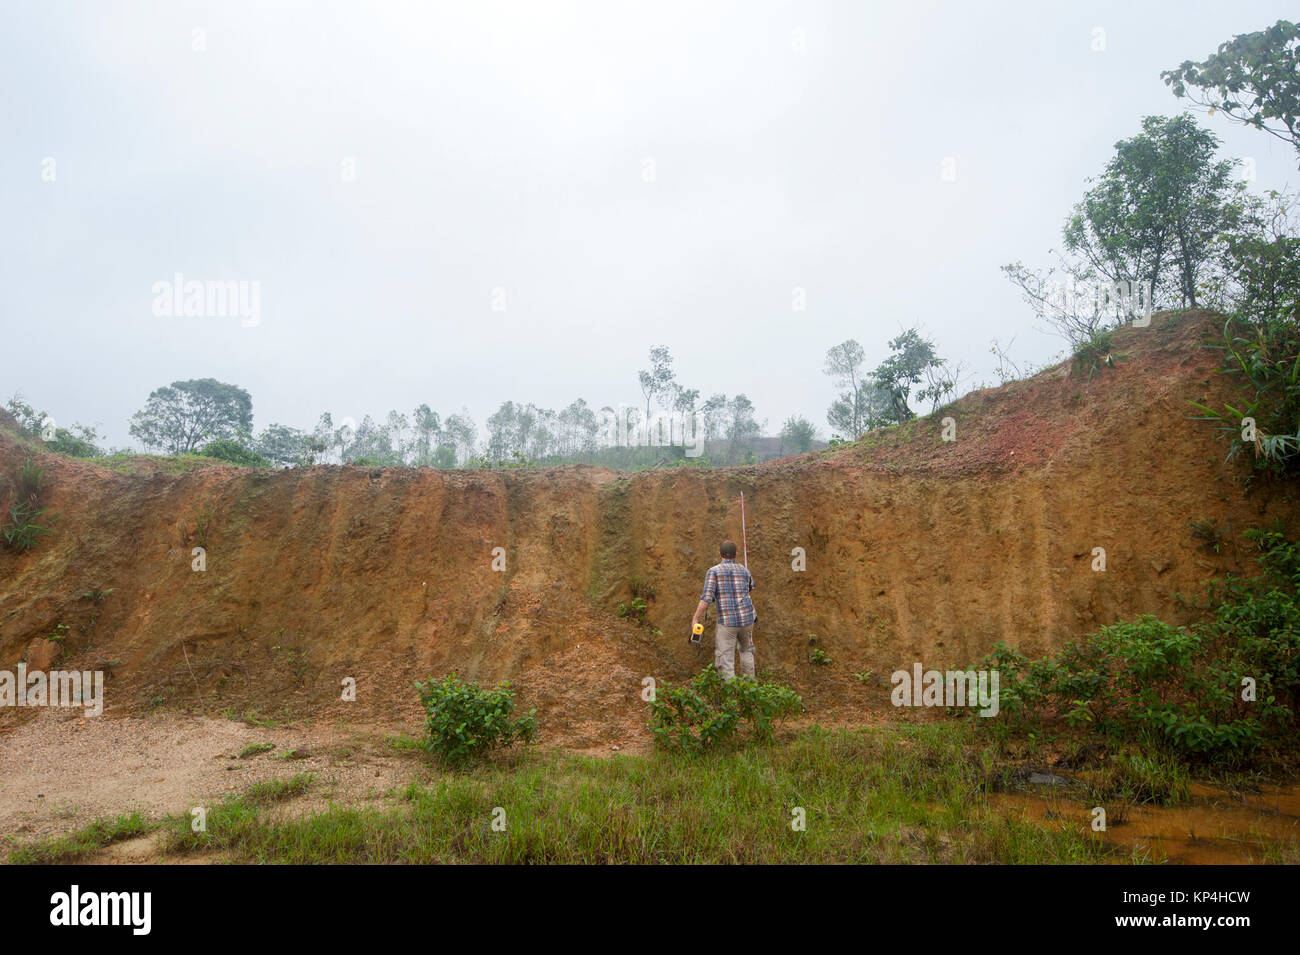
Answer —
1216 827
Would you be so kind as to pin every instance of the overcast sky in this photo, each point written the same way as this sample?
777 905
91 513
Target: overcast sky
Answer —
626 174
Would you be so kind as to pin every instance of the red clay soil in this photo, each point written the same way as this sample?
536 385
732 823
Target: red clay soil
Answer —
918 550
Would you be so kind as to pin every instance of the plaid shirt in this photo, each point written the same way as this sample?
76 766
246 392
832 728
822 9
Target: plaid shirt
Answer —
728 585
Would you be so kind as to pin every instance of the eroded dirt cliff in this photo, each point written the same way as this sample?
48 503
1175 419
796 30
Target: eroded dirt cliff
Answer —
917 550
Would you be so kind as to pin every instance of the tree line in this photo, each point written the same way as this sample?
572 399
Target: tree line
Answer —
212 418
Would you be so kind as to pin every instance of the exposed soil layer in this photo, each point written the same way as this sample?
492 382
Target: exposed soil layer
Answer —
917 550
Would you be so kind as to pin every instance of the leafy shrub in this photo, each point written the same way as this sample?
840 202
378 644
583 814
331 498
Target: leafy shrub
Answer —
77 443
709 711
1136 679
227 449
1258 618
516 460
1146 680
1263 359
465 721
636 610
1258 274
1096 353
1211 537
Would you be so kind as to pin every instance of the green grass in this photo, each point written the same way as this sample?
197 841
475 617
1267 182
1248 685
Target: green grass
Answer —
255 749
906 794
78 845
277 790
1139 777
167 464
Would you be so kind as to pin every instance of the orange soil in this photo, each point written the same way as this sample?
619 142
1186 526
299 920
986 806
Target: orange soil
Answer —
917 550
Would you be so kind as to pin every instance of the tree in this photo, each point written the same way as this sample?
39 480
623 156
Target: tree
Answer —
684 401
428 431
322 436
520 431
941 381
1253 79
1152 215
1070 298
460 432
658 379
742 428
847 413
799 433
286 446
186 414
1259 259
713 412
503 432
539 439
855 415
398 429
371 443
576 429
913 356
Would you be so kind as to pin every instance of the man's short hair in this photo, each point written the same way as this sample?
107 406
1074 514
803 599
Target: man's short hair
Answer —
728 550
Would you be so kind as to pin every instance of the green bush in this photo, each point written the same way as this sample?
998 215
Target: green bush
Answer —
465 721
1258 618
636 610
1146 680
77 443
227 449
1096 353
1262 358
709 711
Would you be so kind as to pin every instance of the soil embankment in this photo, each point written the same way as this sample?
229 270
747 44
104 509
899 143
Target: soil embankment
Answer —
917 550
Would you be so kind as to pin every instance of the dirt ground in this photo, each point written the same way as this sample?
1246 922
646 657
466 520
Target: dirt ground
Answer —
61 773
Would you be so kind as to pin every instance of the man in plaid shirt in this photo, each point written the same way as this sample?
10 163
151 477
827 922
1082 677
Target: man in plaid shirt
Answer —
727 586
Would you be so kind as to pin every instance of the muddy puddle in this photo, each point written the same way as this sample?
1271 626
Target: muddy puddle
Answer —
1215 827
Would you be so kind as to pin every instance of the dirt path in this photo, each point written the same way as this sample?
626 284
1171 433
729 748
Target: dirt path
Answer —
60 774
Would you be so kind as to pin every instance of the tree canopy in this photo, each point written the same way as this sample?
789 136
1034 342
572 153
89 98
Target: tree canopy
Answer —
1152 216
185 415
1253 79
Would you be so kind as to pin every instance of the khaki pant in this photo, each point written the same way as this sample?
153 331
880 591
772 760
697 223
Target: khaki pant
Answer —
725 640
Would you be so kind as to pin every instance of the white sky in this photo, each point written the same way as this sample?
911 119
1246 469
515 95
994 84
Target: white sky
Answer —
502 145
